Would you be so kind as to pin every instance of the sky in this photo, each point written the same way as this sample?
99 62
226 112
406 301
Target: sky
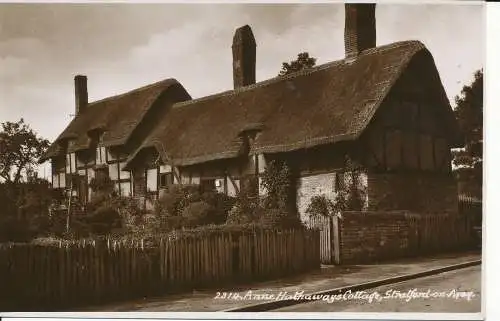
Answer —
121 47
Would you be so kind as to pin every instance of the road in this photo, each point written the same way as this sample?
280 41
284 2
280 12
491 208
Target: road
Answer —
464 286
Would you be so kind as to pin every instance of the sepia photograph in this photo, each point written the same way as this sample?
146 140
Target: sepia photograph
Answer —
242 157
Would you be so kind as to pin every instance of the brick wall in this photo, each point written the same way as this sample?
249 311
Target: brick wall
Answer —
367 237
417 192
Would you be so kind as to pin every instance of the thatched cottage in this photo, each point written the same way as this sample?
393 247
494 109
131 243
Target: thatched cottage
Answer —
384 107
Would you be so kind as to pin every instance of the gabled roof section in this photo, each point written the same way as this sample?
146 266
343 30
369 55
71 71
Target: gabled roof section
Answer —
116 116
326 104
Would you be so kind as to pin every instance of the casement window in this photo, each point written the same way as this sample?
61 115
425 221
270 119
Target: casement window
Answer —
165 176
100 157
166 179
70 163
152 180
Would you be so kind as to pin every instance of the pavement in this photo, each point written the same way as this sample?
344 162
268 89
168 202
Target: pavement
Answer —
324 279
461 288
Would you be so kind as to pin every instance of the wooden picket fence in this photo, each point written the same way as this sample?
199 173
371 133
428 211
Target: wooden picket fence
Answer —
226 257
439 233
50 277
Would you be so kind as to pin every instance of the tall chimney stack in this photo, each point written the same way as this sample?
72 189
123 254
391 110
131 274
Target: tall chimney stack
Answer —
81 94
360 31
244 56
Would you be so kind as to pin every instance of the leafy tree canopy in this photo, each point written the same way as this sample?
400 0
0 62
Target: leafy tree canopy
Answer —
469 113
20 150
303 61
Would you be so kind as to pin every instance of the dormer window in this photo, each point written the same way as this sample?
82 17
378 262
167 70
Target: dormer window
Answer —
70 163
100 157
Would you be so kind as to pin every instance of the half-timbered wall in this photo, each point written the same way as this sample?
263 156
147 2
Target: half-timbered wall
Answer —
153 177
407 137
75 170
408 154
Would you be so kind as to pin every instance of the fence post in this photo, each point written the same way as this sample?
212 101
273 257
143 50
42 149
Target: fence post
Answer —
335 235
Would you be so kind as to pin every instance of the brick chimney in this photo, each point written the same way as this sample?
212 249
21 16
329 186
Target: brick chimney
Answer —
244 56
81 94
360 28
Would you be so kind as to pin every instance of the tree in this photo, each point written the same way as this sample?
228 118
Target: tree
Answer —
469 160
302 62
469 113
20 150
279 207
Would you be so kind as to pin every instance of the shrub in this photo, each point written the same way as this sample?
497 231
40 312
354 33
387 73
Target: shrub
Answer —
24 210
279 203
277 181
237 215
246 209
108 213
320 205
175 199
197 214
221 203
184 206
230 228
104 220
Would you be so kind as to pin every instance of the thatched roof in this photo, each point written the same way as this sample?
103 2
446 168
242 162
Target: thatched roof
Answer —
116 116
326 104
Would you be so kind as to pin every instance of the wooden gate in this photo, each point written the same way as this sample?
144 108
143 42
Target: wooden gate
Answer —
329 236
